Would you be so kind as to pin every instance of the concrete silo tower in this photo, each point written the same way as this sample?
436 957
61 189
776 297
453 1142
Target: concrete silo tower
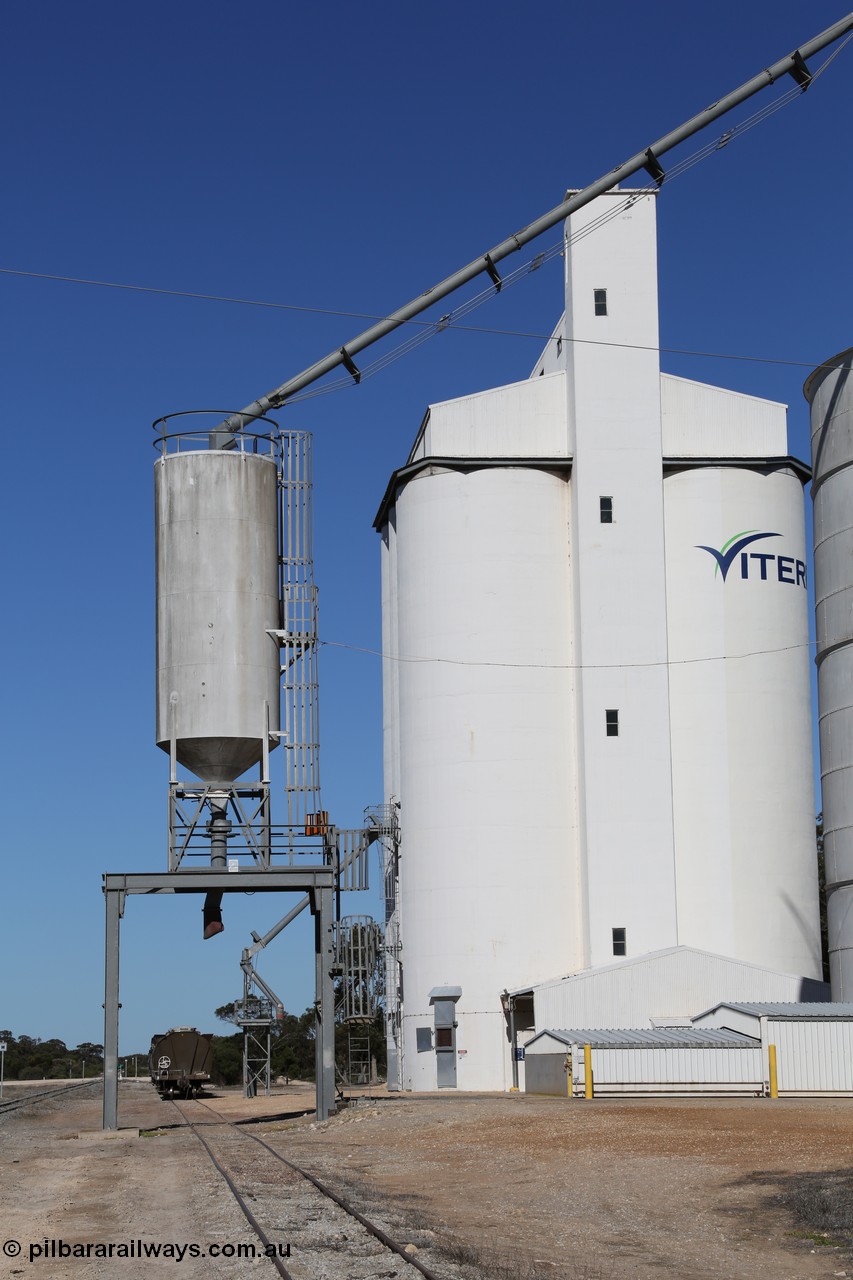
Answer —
597 708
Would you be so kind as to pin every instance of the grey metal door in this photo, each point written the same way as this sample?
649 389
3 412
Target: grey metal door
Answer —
445 1057
443 1000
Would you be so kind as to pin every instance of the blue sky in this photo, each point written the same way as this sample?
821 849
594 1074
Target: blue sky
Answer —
335 159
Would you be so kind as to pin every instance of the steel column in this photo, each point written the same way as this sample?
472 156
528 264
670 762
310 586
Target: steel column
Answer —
325 1002
111 1007
512 1041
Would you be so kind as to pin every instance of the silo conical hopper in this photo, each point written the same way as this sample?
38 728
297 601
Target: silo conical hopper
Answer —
216 515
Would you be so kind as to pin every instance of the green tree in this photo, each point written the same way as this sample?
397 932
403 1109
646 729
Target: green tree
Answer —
292 1049
226 1012
30 1058
227 1059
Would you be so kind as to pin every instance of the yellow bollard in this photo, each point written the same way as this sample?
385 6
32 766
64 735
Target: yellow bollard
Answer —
587 1071
774 1079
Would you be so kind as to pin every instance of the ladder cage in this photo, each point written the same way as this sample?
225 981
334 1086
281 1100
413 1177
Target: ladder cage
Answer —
385 820
300 717
359 954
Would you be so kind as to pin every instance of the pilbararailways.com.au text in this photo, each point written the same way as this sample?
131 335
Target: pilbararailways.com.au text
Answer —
45 1250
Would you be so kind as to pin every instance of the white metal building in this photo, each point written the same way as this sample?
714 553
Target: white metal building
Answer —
664 988
675 1060
596 676
814 1042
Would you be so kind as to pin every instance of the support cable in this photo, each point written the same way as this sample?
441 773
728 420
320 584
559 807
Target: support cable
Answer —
652 166
287 390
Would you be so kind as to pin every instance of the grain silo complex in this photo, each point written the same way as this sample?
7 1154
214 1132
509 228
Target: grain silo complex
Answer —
596 690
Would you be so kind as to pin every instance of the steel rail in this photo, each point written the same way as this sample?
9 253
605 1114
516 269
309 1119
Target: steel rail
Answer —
11 1104
794 64
232 1187
376 1231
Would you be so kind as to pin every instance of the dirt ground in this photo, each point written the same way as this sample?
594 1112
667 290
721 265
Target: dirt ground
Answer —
679 1189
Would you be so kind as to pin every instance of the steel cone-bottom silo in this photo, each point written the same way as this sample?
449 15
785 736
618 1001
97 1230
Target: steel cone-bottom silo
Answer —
829 391
217 602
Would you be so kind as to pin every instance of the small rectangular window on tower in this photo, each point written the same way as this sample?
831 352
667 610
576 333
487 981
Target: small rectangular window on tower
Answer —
611 719
600 300
605 506
620 942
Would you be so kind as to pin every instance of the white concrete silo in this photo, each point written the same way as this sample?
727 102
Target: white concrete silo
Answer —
743 792
479 742
829 391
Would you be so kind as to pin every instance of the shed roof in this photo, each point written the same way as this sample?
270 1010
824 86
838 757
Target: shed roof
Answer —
783 1009
654 1037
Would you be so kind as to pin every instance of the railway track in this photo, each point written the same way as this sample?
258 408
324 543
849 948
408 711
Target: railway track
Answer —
12 1104
294 1215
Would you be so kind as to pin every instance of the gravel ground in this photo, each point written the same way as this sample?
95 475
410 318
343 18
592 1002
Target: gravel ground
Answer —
531 1187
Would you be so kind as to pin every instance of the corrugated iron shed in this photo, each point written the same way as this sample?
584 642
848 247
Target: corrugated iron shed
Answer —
782 1009
657 1037
673 982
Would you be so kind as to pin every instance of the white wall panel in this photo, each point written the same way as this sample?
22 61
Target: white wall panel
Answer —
521 420
710 422
681 982
812 1056
672 1066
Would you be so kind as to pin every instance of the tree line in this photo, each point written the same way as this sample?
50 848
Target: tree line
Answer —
29 1058
291 1052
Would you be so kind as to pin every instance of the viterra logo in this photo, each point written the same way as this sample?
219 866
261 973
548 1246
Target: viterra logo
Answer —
755 564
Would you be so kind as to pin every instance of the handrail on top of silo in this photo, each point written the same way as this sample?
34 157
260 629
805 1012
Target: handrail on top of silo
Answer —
172 441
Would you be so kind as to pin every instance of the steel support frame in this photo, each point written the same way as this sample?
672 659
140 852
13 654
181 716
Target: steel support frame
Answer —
256 1065
318 882
254 827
